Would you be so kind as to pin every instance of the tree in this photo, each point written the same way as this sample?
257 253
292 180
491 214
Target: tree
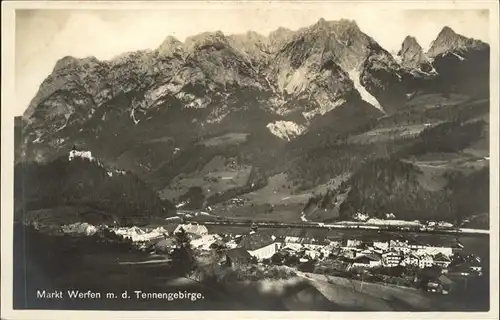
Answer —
253 260
277 258
306 266
428 274
182 256
194 197
291 260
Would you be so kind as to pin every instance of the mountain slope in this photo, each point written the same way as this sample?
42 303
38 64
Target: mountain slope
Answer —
462 63
83 182
226 112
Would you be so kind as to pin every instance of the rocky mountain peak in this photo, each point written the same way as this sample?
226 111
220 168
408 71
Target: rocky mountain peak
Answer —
280 31
251 44
410 42
448 40
278 38
447 32
344 25
64 62
321 24
204 40
70 62
216 81
249 39
411 55
170 46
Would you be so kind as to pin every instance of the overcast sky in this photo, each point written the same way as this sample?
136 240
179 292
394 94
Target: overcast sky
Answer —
44 36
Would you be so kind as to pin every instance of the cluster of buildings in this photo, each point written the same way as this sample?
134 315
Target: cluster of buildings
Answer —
261 246
392 253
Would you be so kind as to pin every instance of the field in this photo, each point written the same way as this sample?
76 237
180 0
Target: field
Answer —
218 175
277 201
390 133
230 138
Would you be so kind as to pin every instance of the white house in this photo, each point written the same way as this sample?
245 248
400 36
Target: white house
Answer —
447 251
425 261
260 246
205 241
404 250
417 246
292 246
353 243
411 260
313 254
312 244
384 245
441 260
265 252
137 234
391 259
292 239
195 229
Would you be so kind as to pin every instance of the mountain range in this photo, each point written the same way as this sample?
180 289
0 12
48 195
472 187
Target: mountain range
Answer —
294 113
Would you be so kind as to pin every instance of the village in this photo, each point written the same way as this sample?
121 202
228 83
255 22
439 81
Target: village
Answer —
402 261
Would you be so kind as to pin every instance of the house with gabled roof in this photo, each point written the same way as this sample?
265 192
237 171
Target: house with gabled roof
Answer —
236 256
441 285
367 261
411 260
383 245
292 247
425 261
442 260
259 245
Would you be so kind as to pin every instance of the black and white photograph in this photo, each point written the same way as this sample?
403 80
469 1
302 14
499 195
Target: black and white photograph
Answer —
253 156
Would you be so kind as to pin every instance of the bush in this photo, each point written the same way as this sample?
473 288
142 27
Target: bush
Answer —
291 260
306 266
254 273
277 258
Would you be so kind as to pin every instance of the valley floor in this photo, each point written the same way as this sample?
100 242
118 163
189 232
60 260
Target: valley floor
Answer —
104 274
105 271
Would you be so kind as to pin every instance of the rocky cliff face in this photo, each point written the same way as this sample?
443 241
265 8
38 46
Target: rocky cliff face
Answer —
449 41
462 63
412 56
139 109
202 82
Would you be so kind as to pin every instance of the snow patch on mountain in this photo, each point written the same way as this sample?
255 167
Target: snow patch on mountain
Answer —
132 116
218 114
191 101
298 81
286 130
365 95
458 56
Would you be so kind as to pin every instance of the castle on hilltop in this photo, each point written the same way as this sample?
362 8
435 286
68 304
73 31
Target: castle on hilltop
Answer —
74 153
